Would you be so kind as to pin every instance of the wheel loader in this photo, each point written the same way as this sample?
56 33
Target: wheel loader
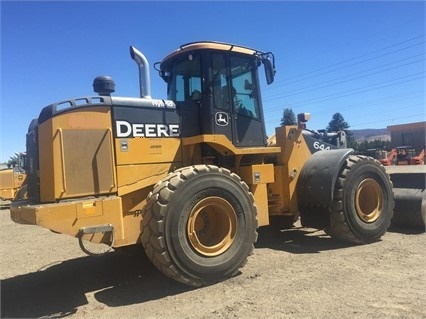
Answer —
12 178
192 177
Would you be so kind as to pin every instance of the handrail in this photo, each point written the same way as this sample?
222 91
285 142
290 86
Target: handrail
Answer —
222 144
112 159
61 143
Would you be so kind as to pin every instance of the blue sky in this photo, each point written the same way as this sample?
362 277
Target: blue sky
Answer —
364 59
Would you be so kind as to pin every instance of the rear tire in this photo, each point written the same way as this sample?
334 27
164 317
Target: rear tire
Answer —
363 203
199 225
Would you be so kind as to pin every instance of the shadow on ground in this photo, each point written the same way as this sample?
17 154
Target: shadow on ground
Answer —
119 278
407 229
4 205
127 277
298 240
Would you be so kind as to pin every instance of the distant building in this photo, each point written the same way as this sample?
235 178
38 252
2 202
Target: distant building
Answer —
411 134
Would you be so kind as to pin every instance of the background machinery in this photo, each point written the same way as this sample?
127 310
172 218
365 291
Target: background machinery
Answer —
401 155
191 177
419 159
385 158
12 178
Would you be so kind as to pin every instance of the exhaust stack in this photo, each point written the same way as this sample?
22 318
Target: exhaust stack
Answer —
142 62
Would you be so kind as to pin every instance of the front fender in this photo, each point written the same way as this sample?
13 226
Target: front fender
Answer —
315 186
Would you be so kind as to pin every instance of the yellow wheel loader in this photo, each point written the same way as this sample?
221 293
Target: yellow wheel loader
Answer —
192 176
12 178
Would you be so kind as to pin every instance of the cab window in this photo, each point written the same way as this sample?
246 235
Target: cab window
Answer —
185 82
233 85
220 75
243 81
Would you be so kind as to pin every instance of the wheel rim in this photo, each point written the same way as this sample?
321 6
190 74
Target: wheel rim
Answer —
369 200
212 226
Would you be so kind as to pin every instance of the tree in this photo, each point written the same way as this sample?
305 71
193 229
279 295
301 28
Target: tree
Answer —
338 123
288 117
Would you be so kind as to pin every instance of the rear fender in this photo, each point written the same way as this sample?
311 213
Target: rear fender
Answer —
315 186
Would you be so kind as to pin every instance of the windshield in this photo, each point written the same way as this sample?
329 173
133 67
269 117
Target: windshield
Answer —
185 81
231 80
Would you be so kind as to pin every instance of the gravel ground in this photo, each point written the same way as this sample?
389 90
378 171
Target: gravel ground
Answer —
298 273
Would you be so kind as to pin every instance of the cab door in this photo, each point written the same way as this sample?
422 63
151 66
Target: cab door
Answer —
236 100
221 115
246 112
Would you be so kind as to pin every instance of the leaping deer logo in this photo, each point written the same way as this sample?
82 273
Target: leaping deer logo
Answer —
222 119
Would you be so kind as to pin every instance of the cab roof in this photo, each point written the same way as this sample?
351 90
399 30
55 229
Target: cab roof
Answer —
211 45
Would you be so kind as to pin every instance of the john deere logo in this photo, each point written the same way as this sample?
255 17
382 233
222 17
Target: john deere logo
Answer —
126 129
222 119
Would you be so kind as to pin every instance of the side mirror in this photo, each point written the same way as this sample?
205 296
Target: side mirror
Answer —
269 70
165 75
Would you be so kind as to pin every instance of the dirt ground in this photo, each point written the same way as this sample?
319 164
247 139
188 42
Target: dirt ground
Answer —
299 273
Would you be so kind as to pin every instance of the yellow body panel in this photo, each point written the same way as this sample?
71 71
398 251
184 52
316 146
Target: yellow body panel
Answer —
76 155
290 162
258 174
69 217
7 179
257 177
134 177
7 194
10 182
147 150
260 193
141 162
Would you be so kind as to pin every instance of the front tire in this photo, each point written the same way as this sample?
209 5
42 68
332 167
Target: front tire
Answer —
199 225
363 203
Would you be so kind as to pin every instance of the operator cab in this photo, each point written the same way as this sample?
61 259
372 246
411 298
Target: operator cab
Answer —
216 89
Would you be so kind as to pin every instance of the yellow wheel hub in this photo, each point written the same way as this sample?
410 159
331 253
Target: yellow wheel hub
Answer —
212 226
369 200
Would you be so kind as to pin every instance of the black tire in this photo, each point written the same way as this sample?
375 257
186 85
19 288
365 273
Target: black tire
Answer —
363 203
199 225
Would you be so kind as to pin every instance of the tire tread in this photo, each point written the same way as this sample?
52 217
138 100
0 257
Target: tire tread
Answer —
153 221
339 227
